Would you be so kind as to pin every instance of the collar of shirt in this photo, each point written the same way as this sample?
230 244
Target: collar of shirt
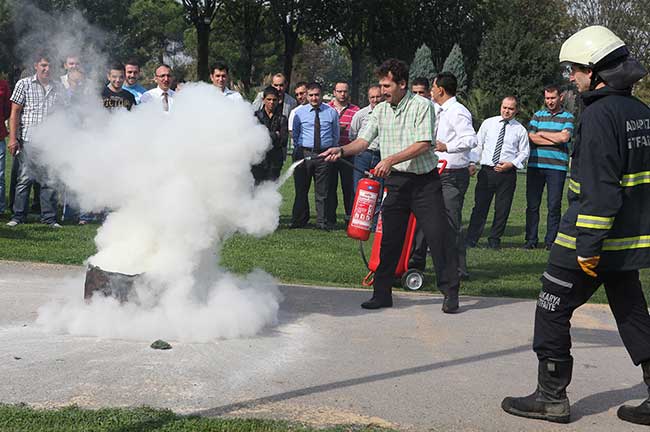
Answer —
448 103
401 106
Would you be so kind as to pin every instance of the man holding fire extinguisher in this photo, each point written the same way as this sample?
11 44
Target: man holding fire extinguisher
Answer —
404 125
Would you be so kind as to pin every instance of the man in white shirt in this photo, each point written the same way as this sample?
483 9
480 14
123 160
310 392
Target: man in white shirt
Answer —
301 99
455 138
71 62
502 149
286 102
162 94
219 78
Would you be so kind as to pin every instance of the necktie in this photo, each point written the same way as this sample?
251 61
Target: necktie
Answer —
316 130
497 148
435 129
165 101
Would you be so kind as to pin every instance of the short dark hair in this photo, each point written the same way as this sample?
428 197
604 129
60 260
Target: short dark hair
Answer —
116 66
552 88
300 84
220 65
132 62
447 81
341 82
42 55
374 86
420 81
397 68
270 90
314 85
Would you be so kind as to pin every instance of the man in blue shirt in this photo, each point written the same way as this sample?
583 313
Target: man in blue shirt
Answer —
315 129
550 133
132 73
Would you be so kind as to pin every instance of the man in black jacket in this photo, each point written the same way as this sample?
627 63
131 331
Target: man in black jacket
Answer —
604 237
276 123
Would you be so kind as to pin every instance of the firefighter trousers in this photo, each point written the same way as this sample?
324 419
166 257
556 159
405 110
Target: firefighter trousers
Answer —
564 290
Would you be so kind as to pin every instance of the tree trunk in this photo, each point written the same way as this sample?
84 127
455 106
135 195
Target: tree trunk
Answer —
203 50
290 46
356 56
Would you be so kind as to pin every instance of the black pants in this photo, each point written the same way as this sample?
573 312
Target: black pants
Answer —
422 195
491 184
564 290
320 171
347 186
454 186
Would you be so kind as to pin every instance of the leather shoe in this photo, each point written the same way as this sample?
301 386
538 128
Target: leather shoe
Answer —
494 244
530 246
450 303
374 303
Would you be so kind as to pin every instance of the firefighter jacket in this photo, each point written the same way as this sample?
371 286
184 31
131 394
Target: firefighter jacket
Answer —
609 188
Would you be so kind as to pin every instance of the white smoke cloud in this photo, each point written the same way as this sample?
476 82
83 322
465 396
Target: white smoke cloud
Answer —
177 185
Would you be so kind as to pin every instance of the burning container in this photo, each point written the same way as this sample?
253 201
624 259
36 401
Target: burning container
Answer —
113 284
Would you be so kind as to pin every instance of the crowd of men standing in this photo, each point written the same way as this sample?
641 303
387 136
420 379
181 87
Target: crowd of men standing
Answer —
309 126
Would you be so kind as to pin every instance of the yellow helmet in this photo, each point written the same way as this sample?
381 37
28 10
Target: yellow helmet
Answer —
591 45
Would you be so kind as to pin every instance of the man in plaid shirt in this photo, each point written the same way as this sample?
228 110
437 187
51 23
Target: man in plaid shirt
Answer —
404 125
33 99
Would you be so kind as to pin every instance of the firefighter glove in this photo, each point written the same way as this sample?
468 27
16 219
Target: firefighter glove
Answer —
589 264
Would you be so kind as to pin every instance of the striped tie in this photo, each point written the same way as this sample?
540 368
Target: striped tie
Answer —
497 149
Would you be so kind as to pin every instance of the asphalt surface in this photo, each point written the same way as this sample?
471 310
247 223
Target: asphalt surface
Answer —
326 362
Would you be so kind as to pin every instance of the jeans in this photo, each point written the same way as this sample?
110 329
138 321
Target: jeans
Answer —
26 176
536 178
3 151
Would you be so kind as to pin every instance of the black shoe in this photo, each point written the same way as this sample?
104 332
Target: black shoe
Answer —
638 414
494 244
548 246
323 227
530 245
463 275
374 303
450 303
470 244
296 225
549 402
417 265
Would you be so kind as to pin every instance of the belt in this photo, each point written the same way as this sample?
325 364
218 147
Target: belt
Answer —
373 151
311 149
454 169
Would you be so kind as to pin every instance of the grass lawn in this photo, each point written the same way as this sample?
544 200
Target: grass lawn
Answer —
309 256
71 419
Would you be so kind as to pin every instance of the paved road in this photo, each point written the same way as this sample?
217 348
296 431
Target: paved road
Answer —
327 362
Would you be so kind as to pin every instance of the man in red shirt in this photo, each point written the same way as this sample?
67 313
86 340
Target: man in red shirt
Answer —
5 110
341 103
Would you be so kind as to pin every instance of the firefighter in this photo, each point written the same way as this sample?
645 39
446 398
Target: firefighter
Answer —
604 237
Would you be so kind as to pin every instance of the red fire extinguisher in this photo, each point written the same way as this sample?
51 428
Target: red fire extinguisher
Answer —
363 210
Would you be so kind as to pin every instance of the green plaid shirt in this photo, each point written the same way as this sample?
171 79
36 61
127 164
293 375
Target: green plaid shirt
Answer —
412 120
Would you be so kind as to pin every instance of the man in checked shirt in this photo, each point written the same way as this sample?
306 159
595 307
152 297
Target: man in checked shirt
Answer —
33 99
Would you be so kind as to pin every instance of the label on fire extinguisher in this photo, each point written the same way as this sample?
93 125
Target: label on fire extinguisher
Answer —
364 210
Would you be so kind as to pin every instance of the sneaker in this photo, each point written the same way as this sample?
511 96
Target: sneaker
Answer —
530 245
55 225
12 223
83 222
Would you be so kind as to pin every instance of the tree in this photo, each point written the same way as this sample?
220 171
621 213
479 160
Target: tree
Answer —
422 66
515 60
160 22
290 16
455 64
201 13
351 24
245 18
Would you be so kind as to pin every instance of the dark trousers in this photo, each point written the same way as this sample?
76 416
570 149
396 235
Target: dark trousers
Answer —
422 195
491 184
320 171
536 178
347 186
454 186
564 290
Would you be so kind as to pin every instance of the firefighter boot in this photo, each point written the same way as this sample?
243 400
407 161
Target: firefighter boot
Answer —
549 402
450 301
639 414
382 297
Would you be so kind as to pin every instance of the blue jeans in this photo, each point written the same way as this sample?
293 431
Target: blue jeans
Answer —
365 160
3 150
26 176
536 178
